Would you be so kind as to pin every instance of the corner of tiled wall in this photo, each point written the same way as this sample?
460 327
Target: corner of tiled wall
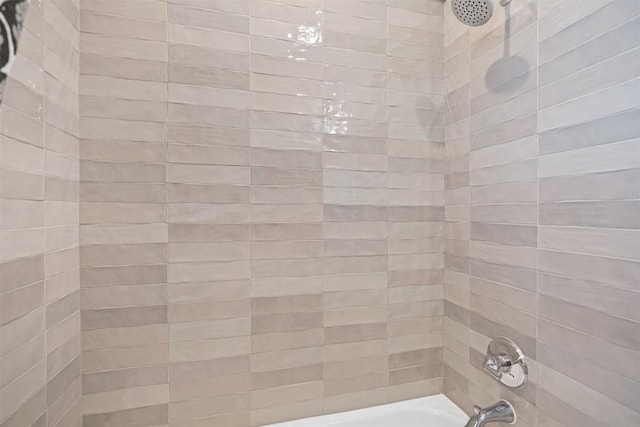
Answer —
456 209
40 353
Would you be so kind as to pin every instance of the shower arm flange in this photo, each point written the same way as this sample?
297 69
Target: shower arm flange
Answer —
502 2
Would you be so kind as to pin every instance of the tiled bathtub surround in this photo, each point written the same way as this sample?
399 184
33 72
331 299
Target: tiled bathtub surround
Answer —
272 225
542 208
39 286
262 205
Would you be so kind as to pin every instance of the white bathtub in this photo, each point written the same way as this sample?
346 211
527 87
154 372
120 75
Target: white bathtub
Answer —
433 411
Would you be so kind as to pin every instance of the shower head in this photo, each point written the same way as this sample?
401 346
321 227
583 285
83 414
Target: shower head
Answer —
472 12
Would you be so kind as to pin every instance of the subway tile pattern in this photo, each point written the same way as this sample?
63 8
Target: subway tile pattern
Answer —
262 206
295 207
208 195
124 193
541 208
39 240
287 248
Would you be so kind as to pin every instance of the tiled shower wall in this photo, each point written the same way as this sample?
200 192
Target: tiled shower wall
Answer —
542 208
262 205
39 286
250 255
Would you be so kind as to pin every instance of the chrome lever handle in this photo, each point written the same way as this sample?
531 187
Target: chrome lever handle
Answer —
506 363
496 365
490 366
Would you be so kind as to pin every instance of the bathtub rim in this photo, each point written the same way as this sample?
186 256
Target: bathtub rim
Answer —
437 404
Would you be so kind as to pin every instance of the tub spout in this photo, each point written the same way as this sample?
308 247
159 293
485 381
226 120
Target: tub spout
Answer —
501 412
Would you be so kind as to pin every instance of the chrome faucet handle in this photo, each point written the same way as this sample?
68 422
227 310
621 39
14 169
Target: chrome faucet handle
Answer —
497 364
506 362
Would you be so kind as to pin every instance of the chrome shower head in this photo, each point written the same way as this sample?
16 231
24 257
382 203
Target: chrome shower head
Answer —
472 12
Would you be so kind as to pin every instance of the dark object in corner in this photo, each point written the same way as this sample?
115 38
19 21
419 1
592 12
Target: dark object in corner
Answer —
12 13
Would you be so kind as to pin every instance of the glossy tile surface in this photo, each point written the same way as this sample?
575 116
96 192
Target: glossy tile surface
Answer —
261 208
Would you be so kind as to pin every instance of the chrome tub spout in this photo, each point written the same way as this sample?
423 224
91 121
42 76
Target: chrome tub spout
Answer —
501 412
